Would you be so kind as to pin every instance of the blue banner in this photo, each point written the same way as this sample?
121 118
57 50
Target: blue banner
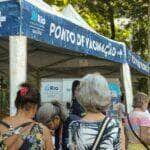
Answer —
9 18
23 18
59 32
136 62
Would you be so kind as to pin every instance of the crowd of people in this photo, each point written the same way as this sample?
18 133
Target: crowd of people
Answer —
87 126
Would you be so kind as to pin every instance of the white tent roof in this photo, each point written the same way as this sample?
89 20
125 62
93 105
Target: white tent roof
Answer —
70 14
45 7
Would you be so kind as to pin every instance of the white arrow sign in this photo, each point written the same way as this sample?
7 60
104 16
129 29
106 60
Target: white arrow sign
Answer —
2 19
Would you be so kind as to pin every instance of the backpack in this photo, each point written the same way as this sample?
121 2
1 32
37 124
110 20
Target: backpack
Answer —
31 141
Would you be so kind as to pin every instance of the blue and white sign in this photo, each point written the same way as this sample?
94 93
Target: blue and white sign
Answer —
51 90
23 18
136 62
2 19
10 19
59 32
56 89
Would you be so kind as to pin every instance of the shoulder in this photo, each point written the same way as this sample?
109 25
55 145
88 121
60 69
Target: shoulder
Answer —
74 124
77 123
114 123
140 115
113 129
8 120
40 128
46 131
47 137
73 117
145 120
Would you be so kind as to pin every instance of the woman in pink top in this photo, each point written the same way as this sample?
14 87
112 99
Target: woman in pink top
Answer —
140 121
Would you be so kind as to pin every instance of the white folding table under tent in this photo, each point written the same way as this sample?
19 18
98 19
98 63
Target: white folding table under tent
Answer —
37 42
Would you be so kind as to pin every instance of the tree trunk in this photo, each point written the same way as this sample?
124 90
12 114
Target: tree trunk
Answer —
111 19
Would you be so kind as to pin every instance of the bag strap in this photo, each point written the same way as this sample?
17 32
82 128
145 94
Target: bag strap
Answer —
9 126
12 130
23 125
4 124
100 133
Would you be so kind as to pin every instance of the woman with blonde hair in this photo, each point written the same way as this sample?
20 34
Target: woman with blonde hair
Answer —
94 131
139 122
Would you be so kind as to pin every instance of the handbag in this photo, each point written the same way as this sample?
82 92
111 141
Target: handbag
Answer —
100 133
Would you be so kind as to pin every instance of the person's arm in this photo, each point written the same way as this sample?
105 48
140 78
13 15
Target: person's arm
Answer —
145 128
145 134
122 137
47 137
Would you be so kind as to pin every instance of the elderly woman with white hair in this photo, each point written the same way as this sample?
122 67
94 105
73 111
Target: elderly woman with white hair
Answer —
53 115
95 131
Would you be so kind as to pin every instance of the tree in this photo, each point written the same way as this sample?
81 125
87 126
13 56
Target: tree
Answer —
137 11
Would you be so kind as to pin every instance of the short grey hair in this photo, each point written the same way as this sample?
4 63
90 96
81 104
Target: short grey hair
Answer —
139 99
49 110
94 94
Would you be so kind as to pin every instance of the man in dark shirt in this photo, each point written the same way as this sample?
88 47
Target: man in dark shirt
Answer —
76 113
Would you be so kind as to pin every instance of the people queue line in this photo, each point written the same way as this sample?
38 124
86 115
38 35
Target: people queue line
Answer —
85 127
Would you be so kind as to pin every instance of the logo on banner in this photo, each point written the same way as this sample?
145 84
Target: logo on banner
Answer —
51 88
2 19
38 18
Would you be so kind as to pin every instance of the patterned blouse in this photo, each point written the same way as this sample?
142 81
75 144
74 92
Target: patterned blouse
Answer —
82 135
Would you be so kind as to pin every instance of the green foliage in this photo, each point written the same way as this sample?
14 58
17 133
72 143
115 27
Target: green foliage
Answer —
96 22
123 35
101 16
143 85
137 11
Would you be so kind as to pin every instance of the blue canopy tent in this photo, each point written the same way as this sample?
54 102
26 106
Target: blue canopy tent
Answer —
57 47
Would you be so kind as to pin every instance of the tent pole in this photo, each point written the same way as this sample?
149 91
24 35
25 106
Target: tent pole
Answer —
127 81
18 66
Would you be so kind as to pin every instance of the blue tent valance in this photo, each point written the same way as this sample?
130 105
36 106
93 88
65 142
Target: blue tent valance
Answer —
23 18
136 62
